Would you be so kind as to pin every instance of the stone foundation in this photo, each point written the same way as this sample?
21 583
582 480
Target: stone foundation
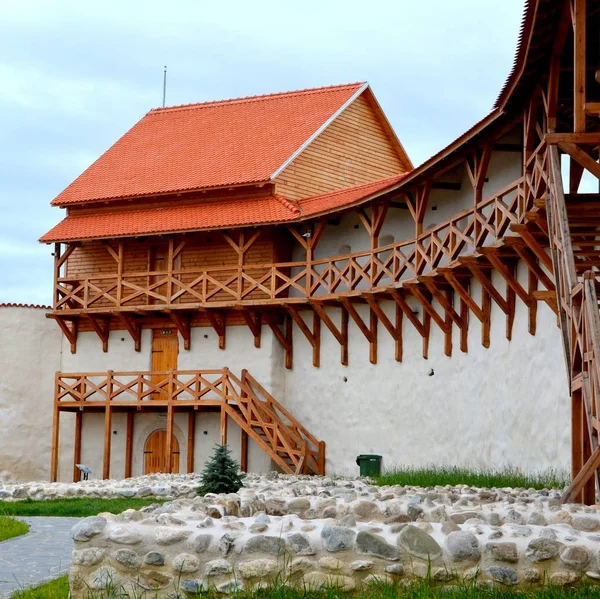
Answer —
322 532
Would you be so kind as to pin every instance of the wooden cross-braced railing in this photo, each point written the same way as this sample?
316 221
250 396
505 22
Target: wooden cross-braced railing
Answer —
383 267
243 399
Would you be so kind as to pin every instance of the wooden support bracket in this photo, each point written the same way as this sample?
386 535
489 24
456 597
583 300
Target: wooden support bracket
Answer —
218 321
101 326
134 328
254 323
285 338
341 334
314 336
182 320
370 331
70 332
394 330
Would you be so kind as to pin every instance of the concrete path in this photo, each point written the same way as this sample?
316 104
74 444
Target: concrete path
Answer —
42 554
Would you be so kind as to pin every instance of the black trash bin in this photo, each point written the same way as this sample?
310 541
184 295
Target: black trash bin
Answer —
370 465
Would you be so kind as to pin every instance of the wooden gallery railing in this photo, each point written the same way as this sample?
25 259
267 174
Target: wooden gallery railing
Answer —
484 224
257 413
580 327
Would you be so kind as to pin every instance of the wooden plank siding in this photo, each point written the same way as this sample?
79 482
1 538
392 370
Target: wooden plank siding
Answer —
354 149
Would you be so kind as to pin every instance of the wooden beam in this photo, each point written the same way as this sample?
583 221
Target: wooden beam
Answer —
406 309
218 321
134 328
532 284
486 308
533 245
462 292
428 307
314 336
370 331
464 331
107 440
285 339
77 445
129 444
101 326
579 66
254 324
582 157
223 427
441 299
510 315
448 333
69 332
169 440
582 139
486 283
191 441
534 267
55 440
182 320
244 451
508 276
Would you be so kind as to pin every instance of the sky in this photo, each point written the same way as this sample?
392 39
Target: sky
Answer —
76 75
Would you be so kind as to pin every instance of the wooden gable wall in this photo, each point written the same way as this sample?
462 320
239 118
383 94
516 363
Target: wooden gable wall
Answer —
355 148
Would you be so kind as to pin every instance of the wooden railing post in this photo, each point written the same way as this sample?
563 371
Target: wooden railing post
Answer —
55 432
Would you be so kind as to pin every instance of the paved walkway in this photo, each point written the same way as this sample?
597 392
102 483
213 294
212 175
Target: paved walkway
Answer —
40 555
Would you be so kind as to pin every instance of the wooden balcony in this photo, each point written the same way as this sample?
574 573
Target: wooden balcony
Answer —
242 400
486 224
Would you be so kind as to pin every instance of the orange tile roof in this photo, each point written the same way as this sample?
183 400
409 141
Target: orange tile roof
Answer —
212 144
209 214
343 198
31 306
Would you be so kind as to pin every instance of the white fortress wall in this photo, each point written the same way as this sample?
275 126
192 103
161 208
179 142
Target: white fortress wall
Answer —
30 355
506 405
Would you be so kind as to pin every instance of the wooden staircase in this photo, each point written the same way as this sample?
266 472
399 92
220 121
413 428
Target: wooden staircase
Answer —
574 235
272 427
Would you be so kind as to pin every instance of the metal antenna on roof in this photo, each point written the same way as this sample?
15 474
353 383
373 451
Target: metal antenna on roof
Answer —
165 86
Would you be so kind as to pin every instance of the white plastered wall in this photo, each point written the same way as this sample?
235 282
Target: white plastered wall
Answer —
29 355
506 405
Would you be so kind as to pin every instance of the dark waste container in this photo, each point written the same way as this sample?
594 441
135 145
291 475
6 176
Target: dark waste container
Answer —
370 465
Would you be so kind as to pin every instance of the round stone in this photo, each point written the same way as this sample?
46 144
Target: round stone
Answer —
185 563
372 544
87 528
124 535
502 574
165 535
128 558
154 558
216 567
257 568
337 538
418 543
462 545
576 556
360 565
542 549
103 578
265 544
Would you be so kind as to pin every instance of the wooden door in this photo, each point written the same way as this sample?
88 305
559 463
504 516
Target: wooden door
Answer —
165 349
155 453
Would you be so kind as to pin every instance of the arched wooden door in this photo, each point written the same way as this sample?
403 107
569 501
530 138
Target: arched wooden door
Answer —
155 453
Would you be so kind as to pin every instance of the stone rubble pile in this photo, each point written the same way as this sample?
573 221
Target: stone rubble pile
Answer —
164 486
326 532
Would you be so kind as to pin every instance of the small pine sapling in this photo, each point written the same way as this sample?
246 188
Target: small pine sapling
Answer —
221 473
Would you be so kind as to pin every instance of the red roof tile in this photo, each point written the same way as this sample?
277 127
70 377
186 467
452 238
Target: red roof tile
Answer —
206 145
210 214
17 305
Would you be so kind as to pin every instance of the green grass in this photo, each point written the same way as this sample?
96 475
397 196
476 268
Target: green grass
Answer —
78 507
453 475
10 528
59 589
55 589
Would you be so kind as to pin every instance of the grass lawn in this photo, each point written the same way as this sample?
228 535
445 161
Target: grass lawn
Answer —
452 475
10 528
59 589
78 507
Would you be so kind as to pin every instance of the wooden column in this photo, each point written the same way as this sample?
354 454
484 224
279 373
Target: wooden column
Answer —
244 452
191 441
129 444
107 440
170 416
77 445
577 432
55 440
223 426
579 48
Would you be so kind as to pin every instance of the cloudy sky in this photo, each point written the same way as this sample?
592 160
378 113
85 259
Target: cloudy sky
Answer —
76 75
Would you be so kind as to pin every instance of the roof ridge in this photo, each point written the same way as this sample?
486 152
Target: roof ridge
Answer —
289 204
256 98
